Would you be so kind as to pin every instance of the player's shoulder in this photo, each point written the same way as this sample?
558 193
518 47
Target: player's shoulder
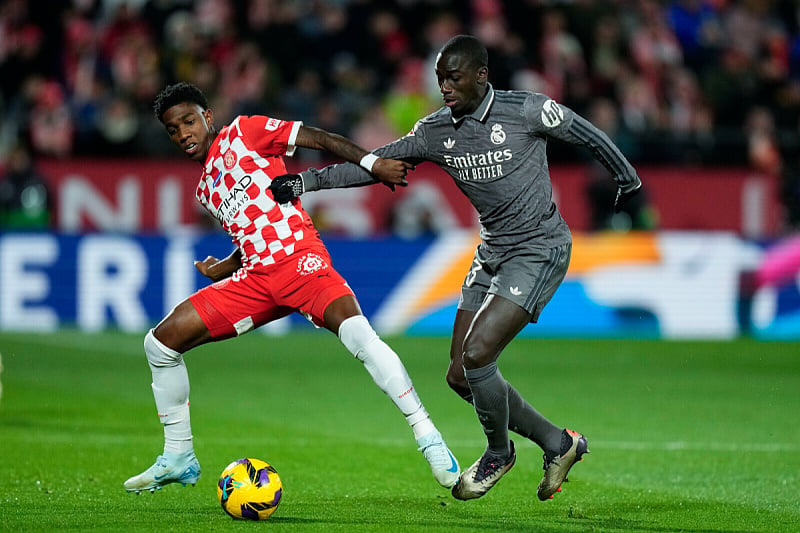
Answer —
539 109
426 123
232 127
440 115
261 121
260 126
519 97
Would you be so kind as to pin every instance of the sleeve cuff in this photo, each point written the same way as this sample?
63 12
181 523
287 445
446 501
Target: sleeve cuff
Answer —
310 180
368 161
290 146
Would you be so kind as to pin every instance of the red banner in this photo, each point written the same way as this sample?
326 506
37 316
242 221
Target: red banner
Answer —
151 195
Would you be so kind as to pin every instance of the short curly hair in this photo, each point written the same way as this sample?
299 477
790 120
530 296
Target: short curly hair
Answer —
468 47
179 93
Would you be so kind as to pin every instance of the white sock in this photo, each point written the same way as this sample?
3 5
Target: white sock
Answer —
387 371
171 392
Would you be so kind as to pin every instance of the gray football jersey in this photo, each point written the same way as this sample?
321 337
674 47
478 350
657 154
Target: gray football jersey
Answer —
498 158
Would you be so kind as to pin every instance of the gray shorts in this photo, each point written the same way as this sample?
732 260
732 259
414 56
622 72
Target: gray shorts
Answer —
528 277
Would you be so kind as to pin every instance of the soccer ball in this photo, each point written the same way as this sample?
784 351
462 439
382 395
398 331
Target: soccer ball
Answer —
249 489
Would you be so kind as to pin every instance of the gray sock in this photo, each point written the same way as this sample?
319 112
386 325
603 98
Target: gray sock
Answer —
530 423
490 398
527 422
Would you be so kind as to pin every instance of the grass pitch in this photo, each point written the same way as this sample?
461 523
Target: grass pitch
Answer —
684 436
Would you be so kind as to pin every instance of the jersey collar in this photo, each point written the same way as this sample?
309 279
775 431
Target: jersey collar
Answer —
482 112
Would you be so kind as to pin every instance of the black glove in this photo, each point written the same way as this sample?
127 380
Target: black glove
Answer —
287 187
623 197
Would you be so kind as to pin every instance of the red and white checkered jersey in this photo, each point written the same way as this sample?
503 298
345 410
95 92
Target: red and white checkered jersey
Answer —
241 163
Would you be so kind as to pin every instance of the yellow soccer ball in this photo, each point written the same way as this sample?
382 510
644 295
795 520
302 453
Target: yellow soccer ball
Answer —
249 489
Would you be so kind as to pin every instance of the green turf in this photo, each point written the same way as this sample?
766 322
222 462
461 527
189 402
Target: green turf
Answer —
684 436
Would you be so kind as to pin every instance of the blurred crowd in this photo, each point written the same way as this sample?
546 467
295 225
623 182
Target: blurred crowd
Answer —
713 82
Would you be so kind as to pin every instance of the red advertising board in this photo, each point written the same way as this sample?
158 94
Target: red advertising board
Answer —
158 195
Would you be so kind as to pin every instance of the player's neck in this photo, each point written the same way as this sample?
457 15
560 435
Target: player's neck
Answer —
213 134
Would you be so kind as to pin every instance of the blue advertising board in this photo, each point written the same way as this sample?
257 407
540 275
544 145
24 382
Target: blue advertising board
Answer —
655 285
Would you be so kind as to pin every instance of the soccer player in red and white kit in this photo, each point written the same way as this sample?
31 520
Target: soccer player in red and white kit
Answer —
279 266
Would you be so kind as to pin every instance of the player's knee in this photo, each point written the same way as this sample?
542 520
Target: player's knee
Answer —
455 377
158 355
475 357
356 333
478 351
458 383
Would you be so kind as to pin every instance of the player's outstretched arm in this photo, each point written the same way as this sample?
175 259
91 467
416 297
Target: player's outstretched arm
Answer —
391 172
345 175
564 124
217 269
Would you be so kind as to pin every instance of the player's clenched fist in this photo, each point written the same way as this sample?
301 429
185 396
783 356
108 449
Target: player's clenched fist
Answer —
391 172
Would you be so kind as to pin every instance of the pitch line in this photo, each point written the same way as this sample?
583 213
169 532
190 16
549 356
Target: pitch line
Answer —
665 446
765 447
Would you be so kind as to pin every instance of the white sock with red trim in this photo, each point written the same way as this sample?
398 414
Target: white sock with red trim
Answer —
171 393
386 370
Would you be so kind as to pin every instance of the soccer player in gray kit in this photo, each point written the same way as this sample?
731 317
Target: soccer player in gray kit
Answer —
493 144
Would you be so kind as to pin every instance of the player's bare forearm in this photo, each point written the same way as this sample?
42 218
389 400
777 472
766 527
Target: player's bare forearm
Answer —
217 269
344 175
317 139
389 171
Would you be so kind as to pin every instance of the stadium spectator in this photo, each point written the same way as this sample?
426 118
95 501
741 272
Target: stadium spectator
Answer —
245 78
303 96
25 198
391 42
763 153
117 126
697 27
51 124
563 63
374 128
689 120
654 47
407 99
790 191
606 59
353 88
23 49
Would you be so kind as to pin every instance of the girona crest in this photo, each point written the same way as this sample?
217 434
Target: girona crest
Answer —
229 159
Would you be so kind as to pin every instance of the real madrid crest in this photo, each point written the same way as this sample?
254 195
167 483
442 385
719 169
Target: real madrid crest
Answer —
498 136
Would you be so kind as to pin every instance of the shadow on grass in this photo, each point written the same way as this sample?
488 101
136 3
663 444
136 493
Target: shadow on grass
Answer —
677 516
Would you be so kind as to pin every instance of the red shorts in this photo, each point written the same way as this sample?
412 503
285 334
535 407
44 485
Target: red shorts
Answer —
304 281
